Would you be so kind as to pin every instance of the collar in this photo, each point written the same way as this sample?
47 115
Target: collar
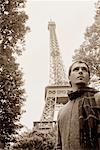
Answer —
73 95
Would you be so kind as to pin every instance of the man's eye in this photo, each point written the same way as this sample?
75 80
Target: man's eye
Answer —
84 69
76 69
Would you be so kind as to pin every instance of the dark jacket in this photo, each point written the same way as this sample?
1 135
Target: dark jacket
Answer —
68 125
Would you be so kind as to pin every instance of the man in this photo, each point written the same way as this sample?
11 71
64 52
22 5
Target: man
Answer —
78 120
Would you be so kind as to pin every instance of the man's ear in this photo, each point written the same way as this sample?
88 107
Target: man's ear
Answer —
69 80
97 98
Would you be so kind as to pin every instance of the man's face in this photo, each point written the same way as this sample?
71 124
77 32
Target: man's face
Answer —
79 74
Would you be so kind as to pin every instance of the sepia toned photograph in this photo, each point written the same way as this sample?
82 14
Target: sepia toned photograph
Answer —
49 75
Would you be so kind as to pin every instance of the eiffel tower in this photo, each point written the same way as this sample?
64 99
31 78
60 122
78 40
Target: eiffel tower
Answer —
56 91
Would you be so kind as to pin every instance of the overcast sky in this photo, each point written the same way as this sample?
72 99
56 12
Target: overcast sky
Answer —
71 18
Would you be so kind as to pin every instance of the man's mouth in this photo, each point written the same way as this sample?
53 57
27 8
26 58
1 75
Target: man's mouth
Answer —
80 77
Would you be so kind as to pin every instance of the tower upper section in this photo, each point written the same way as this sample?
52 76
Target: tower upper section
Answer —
57 72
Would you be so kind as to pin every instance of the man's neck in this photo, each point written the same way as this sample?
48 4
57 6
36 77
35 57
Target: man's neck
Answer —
78 86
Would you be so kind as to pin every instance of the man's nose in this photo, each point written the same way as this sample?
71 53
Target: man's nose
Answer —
80 71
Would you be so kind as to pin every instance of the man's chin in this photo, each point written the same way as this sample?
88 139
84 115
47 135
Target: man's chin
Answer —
81 84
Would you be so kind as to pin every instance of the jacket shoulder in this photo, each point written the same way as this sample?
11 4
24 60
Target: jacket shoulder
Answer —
62 111
97 98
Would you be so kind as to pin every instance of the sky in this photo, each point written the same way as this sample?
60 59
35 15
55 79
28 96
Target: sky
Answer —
71 18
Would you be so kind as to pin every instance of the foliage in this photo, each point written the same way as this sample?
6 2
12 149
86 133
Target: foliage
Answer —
89 51
36 140
12 33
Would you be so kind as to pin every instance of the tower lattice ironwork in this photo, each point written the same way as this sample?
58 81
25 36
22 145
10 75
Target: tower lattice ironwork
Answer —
56 92
57 71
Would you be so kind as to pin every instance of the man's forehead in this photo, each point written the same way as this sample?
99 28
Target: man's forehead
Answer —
77 64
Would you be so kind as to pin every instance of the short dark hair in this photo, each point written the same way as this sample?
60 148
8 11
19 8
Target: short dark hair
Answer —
79 61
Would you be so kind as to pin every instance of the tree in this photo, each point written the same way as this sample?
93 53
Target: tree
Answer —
12 34
36 140
89 51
